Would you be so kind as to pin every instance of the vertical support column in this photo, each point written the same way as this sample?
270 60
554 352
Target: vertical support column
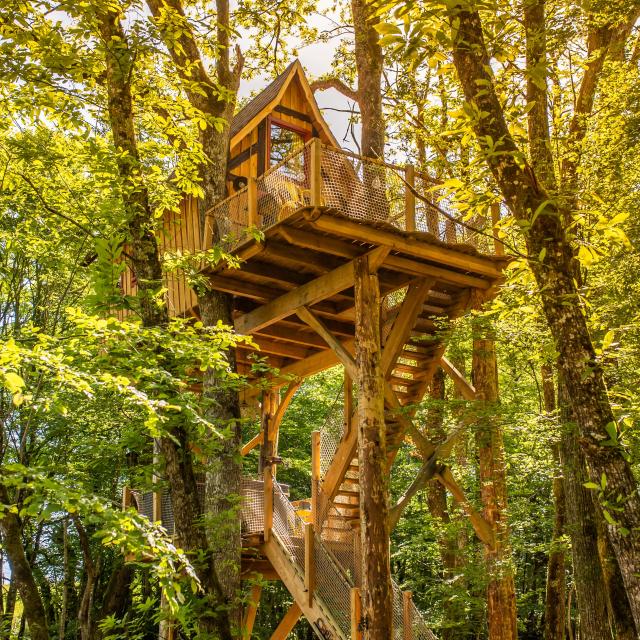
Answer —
315 148
315 477
348 402
251 611
126 498
309 562
377 594
409 198
252 203
356 614
407 628
495 219
268 503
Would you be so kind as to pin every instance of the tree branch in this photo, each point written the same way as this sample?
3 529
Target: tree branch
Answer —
322 84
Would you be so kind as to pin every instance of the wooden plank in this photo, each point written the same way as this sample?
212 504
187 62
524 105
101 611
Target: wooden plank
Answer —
280 349
466 389
410 198
126 498
411 246
356 614
156 506
315 477
406 616
315 323
307 294
268 503
252 202
287 623
409 312
315 150
251 611
309 562
252 444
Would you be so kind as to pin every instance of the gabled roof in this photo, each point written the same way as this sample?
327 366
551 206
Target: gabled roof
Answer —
263 104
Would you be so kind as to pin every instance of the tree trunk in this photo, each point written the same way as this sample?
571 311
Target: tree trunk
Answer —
377 594
9 609
501 597
555 598
437 501
551 259
581 526
34 611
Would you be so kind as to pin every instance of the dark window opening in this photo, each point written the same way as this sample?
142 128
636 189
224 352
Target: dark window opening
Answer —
283 143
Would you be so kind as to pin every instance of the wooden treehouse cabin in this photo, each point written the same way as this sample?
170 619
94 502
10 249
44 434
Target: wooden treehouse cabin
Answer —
322 211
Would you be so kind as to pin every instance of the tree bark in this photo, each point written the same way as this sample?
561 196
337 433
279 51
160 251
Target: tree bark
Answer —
501 596
581 526
369 66
377 592
555 597
34 610
551 259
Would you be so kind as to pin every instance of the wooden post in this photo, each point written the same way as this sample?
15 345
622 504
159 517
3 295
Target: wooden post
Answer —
409 198
406 616
251 611
315 477
309 562
268 503
252 203
348 402
287 623
156 499
356 614
495 219
126 498
377 593
315 149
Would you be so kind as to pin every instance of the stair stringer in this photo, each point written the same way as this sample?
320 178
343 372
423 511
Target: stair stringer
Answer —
317 614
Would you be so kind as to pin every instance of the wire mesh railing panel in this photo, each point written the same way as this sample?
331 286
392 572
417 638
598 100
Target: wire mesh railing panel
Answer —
362 189
284 188
289 527
331 433
252 509
420 630
229 220
332 587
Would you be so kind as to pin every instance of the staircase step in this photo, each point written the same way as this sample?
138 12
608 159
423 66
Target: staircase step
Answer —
347 492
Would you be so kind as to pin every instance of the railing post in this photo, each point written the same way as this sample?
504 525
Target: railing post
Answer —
410 198
268 503
315 149
356 614
156 499
309 562
406 616
126 498
315 477
252 203
495 219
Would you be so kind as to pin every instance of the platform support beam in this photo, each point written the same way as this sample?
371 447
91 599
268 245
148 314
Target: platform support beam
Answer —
251 611
377 591
287 623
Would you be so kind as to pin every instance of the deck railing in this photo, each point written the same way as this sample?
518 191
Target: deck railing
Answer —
363 189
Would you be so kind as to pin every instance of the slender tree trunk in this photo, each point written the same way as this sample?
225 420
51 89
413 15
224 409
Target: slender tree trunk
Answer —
555 599
437 501
9 609
501 597
551 263
62 622
377 592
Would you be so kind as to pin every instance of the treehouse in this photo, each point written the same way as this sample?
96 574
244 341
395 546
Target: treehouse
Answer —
340 234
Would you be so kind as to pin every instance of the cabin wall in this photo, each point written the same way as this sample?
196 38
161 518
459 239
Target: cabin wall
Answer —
180 231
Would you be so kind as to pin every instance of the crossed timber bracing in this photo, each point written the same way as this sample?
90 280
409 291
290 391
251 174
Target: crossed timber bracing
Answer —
294 294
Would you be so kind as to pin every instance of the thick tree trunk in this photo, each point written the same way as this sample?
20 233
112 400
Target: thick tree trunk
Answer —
501 597
377 593
369 66
555 597
582 527
21 573
551 263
